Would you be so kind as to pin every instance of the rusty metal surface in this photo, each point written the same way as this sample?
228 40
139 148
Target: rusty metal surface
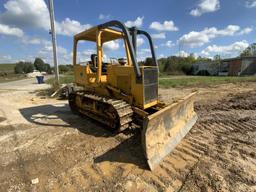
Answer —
234 67
163 130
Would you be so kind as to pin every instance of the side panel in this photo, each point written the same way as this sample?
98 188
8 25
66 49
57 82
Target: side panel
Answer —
145 92
80 73
123 78
84 76
124 83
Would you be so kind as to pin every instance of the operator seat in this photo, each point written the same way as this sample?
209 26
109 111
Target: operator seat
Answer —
94 63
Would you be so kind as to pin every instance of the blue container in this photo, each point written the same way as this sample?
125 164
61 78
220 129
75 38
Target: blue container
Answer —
40 79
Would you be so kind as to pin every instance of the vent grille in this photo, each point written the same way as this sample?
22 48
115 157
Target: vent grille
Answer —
150 81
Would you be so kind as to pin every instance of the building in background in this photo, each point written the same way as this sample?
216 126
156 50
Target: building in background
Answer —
207 68
240 66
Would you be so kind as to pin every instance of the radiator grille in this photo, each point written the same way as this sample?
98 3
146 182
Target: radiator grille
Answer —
150 81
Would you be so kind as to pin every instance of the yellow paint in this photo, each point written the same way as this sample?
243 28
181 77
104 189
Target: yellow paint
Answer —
163 129
129 61
121 78
153 103
100 55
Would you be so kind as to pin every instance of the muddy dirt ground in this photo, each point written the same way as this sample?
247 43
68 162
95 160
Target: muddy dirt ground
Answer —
41 141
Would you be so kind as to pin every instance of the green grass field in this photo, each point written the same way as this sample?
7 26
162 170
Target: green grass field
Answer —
64 79
201 81
7 68
179 81
7 73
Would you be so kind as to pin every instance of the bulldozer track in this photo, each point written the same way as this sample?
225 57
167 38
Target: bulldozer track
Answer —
121 116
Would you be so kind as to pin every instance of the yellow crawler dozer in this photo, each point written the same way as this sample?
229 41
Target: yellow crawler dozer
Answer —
121 93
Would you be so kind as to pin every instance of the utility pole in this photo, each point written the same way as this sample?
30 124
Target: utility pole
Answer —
54 41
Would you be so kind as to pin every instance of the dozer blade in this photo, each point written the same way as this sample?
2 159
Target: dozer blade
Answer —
163 130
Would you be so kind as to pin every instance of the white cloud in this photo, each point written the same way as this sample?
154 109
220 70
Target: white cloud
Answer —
45 53
161 56
168 44
194 39
140 41
137 23
26 13
205 6
166 26
6 59
61 50
145 50
104 17
70 27
85 55
34 14
142 54
228 31
35 40
158 36
234 48
182 54
199 38
45 50
88 52
111 45
12 31
205 53
246 30
250 3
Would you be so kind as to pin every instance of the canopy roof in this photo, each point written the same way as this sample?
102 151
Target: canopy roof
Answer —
108 34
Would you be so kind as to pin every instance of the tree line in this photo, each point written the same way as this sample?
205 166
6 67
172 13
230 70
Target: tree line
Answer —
175 65
24 67
28 67
170 65
184 65
249 51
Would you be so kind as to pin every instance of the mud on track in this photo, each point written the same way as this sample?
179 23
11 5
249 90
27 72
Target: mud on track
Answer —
217 155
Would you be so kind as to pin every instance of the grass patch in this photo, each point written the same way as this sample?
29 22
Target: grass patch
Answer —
174 81
12 77
7 73
64 79
7 68
201 81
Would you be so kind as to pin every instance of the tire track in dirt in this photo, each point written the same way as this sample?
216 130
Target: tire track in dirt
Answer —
226 131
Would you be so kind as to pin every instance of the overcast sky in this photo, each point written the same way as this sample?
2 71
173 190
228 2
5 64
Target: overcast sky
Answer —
202 27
